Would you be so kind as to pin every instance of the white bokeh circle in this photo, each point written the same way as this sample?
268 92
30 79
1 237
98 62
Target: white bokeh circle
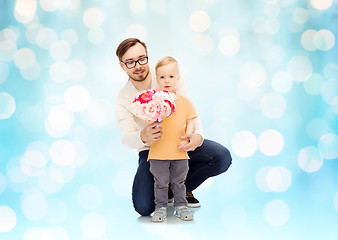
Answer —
93 225
93 18
89 196
309 159
276 213
328 146
273 105
7 105
76 98
252 74
8 219
270 142
199 21
244 143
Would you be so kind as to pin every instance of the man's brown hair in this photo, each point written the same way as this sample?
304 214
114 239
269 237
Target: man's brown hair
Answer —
126 44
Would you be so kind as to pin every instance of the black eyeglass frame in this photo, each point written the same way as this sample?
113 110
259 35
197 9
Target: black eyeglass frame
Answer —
134 62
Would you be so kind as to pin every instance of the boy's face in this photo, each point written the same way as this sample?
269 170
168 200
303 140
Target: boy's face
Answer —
140 72
167 77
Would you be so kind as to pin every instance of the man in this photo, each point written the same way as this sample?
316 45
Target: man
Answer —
207 158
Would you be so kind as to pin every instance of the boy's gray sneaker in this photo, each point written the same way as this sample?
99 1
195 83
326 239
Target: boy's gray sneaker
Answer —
184 213
159 215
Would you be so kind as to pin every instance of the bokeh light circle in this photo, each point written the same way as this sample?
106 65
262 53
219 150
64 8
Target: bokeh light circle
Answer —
199 21
244 143
76 98
278 179
33 163
137 6
158 6
57 211
276 213
330 70
309 159
31 73
89 196
62 152
314 84
316 128
96 36
122 182
77 70
2 183
49 6
98 113
229 45
300 68
335 201
270 142
252 74
34 206
45 37
24 11
70 35
307 40
62 174
7 50
138 31
4 71
24 58
300 15
60 71
328 146
273 179
60 50
329 91
273 105
7 219
93 18
7 105
321 4
324 40
281 82
59 119
55 233
93 225
203 44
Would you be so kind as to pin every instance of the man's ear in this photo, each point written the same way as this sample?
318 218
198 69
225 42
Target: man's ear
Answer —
121 64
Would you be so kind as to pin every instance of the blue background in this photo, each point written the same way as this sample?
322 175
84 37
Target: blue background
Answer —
262 75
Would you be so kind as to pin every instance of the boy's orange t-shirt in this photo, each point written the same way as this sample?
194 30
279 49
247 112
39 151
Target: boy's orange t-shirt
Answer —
173 128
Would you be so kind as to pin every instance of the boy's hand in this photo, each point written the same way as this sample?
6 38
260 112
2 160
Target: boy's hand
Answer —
195 140
151 133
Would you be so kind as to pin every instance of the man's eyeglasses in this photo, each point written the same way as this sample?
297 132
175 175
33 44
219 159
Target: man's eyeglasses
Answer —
132 64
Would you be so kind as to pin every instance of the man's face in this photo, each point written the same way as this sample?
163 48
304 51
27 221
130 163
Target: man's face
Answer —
140 72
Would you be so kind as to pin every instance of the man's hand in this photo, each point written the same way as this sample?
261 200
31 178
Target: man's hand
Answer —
195 141
151 133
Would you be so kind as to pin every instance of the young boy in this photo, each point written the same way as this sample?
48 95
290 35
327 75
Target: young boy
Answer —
168 164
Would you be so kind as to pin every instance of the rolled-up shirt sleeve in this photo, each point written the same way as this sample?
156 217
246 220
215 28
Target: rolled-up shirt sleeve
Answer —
130 135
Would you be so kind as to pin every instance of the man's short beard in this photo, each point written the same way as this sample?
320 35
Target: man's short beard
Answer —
140 80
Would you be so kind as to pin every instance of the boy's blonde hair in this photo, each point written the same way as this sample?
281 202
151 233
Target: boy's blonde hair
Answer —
165 61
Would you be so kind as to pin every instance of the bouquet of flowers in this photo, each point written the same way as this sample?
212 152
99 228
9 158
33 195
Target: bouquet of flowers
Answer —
154 105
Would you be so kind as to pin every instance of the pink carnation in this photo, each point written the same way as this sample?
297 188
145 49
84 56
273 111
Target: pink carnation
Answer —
154 105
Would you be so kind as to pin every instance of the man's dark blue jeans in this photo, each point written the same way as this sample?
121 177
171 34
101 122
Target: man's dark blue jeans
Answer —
208 160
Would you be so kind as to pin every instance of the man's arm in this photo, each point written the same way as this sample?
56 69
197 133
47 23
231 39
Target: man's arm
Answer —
131 136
